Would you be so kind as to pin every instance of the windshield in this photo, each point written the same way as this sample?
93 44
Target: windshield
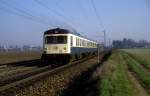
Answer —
56 39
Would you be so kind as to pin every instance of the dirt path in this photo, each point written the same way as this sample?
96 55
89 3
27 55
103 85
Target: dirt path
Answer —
138 89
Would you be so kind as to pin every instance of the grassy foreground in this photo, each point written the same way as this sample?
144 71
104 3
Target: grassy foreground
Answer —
140 55
114 79
138 70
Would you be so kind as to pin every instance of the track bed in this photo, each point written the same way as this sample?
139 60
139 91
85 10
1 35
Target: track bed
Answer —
54 80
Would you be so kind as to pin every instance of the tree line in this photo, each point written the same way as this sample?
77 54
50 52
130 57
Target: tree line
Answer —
130 43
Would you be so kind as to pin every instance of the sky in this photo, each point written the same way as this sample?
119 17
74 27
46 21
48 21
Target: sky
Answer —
23 22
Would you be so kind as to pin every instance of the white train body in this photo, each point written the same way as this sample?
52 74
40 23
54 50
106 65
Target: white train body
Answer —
63 44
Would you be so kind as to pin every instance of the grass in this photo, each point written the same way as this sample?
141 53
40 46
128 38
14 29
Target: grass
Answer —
141 55
136 68
116 82
9 57
141 60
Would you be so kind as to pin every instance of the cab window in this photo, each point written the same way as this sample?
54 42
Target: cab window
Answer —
56 39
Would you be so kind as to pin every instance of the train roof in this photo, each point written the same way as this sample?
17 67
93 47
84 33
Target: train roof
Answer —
64 31
61 31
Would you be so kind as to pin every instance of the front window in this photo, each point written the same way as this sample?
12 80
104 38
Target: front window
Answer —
56 39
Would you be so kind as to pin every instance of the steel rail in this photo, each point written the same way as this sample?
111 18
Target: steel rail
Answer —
22 80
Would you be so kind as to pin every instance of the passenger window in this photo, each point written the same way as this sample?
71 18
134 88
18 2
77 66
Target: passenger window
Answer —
71 41
80 42
77 42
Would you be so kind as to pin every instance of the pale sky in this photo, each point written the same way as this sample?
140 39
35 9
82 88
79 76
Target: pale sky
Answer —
24 21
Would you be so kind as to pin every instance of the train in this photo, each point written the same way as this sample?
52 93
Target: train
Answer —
61 46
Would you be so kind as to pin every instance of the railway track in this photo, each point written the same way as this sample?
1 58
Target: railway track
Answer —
11 69
15 65
25 78
24 75
3 66
21 63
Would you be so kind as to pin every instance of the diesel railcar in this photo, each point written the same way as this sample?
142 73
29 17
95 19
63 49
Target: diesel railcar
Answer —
60 46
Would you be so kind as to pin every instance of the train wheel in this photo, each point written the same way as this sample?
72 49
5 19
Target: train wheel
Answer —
57 62
72 58
83 55
76 57
68 60
80 56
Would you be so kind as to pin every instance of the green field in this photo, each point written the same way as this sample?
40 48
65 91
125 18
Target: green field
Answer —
115 81
141 55
126 73
136 67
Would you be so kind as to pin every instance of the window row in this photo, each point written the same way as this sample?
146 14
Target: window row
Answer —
84 43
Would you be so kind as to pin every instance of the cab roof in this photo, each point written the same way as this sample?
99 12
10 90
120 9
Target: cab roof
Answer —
64 31
61 31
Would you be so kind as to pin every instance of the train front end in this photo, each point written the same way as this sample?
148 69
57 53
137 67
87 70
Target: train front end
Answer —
55 47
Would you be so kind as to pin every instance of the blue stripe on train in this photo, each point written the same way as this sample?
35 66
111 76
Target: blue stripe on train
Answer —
80 50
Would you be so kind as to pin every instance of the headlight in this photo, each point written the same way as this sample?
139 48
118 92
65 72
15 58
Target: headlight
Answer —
65 48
